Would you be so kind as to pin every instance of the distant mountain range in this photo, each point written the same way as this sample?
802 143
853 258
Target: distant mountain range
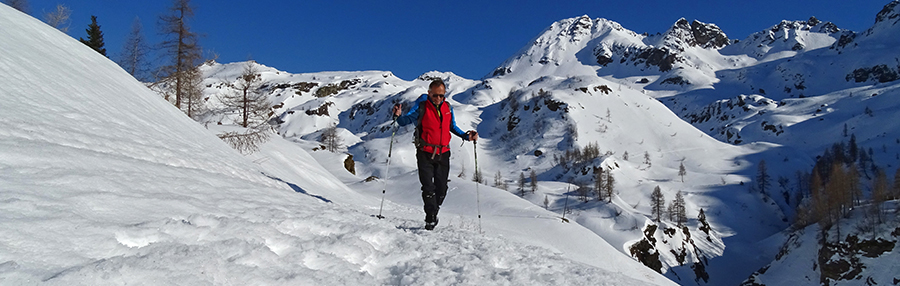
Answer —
690 96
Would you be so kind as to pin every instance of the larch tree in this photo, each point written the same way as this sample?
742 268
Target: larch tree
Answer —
854 188
522 183
59 18
134 52
600 183
533 177
95 37
476 177
246 98
657 203
498 180
609 186
895 190
879 194
331 139
181 46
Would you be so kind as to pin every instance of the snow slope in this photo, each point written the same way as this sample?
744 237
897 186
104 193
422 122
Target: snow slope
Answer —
550 106
584 81
103 182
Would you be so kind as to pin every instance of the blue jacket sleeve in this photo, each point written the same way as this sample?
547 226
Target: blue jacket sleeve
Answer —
413 114
455 129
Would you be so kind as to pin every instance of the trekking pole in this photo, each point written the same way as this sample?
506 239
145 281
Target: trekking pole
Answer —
566 208
477 193
386 169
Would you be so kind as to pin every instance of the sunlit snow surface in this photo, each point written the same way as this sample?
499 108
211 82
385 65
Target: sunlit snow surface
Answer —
103 182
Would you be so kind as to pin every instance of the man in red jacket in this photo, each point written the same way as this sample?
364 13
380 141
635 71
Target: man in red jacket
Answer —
434 122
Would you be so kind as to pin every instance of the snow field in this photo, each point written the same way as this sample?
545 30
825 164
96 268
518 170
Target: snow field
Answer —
103 182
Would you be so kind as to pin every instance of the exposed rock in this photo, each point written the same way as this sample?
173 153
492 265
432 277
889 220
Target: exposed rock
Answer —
350 165
332 89
676 80
708 36
321 111
841 260
880 73
694 34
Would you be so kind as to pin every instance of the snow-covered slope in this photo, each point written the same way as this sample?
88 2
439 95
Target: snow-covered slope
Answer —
551 99
586 81
787 39
104 182
860 251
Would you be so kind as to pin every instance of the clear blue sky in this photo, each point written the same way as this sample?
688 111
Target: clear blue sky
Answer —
469 38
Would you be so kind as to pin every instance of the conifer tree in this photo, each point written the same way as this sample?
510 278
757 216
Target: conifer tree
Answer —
763 178
647 158
679 209
704 225
670 212
657 203
21 5
95 37
546 202
682 171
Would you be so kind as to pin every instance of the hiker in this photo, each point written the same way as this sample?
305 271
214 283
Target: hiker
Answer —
434 122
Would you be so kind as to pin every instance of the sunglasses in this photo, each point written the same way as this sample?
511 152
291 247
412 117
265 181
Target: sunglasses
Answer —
438 95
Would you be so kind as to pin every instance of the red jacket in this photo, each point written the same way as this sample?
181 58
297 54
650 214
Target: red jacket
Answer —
433 128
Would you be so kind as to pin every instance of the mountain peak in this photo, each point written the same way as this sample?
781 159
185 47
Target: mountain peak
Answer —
890 13
694 34
581 26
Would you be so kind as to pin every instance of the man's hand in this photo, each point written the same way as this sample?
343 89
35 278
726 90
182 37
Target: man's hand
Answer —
396 110
473 135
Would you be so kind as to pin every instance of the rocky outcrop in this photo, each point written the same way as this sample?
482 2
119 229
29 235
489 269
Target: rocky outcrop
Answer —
890 14
694 34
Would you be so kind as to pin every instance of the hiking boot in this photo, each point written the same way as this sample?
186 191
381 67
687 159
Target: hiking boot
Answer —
430 221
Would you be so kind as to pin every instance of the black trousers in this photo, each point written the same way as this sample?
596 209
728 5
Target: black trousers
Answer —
433 173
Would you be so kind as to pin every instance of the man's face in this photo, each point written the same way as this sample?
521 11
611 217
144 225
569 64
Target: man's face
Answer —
436 94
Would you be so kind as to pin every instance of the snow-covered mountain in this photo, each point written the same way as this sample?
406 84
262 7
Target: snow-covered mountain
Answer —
547 103
104 182
648 105
674 97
